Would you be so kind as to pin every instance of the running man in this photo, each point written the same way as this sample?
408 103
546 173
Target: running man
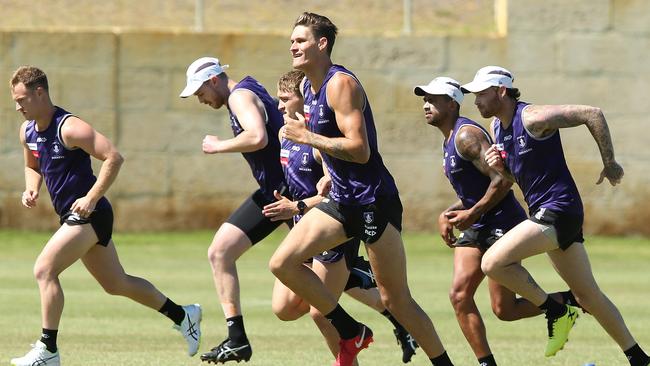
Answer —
528 151
255 122
57 149
303 170
363 201
485 210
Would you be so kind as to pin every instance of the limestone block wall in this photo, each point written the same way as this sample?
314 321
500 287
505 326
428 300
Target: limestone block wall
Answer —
127 83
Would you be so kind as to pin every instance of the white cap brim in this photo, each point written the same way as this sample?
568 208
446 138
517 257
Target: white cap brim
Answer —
475 86
191 88
440 89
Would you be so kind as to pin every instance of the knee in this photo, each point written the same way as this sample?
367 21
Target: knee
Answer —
219 252
394 301
278 265
287 313
459 297
490 265
502 311
43 272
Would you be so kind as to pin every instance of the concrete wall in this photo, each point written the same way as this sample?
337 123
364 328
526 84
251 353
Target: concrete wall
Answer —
126 84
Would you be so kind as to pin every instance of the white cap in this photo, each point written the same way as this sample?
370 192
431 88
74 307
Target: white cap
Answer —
199 72
441 86
489 76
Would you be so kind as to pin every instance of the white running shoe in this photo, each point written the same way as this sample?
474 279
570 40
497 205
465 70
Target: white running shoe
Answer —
190 328
38 356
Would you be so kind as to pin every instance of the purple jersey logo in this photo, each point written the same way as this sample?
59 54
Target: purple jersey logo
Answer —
368 217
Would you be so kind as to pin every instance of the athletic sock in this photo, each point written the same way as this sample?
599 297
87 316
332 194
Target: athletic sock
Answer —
487 361
636 356
173 311
569 299
442 360
390 317
343 322
48 337
236 331
552 308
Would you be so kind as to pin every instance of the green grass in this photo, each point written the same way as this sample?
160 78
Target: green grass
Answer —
98 329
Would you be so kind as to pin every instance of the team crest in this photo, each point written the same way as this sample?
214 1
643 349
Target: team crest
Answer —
56 148
305 158
320 110
452 161
521 140
368 217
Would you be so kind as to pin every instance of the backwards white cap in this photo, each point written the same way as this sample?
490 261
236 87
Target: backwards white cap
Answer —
199 72
441 86
489 76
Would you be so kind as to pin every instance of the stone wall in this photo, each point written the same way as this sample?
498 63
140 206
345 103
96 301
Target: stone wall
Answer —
127 83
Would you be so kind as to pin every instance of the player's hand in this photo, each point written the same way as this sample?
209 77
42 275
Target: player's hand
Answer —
613 172
29 198
211 144
324 185
280 210
494 160
83 206
461 219
446 230
296 129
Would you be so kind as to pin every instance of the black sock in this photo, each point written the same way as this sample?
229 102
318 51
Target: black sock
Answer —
236 331
569 299
487 361
173 311
442 360
552 308
48 337
343 322
390 317
636 356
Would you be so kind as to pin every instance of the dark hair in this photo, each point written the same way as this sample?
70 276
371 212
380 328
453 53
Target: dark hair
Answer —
290 82
513 93
321 26
32 77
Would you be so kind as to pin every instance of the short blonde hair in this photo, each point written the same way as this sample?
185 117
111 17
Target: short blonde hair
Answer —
32 77
290 82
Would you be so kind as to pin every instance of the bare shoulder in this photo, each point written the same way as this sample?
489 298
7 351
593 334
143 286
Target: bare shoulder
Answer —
469 141
75 131
343 88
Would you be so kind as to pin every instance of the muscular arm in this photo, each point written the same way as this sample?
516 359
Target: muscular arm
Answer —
543 120
346 98
33 177
249 110
76 133
473 145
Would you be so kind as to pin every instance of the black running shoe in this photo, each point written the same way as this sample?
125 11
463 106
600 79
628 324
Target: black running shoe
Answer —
228 351
361 275
406 341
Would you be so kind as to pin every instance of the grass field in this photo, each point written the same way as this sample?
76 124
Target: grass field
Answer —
98 329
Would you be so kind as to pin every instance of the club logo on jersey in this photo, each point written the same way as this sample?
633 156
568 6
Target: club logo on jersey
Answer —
521 140
57 151
452 161
305 158
284 156
368 217
507 138
320 111
41 139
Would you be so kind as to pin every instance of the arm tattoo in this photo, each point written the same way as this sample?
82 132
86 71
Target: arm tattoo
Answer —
331 147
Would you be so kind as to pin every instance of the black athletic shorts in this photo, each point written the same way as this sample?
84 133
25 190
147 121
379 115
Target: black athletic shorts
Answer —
100 220
348 251
367 222
568 227
480 238
249 218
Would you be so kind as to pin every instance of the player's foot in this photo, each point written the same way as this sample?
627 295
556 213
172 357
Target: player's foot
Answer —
39 355
190 328
349 348
228 351
558 330
406 341
361 274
